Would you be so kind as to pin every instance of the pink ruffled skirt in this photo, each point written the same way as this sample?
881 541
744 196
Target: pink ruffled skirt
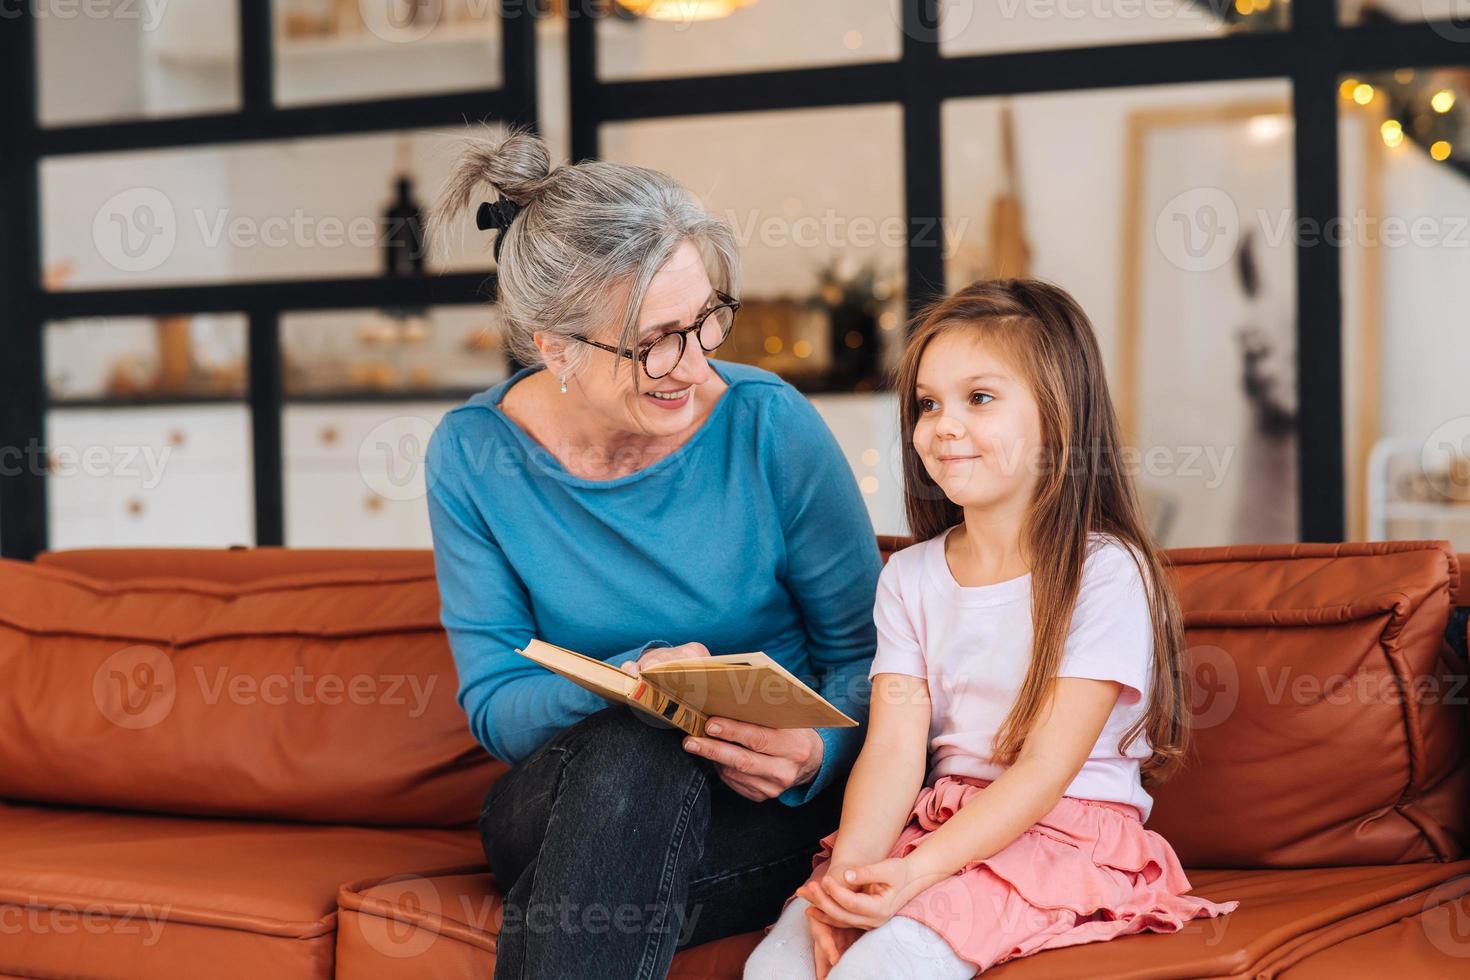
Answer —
1085 872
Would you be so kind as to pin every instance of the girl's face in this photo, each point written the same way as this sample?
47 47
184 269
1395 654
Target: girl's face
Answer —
979 427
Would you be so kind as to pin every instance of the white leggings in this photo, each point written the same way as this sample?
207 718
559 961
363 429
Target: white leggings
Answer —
900 947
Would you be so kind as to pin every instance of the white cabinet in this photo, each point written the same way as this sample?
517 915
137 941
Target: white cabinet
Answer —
355 474
149 477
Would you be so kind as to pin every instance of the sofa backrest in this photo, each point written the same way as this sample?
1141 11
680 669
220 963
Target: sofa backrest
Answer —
322 695
1305 749
1330 714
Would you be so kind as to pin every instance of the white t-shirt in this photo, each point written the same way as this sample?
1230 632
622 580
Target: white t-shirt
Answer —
973 646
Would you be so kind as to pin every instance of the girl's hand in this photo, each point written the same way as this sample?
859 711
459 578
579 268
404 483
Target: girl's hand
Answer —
867 896
758 762
829 941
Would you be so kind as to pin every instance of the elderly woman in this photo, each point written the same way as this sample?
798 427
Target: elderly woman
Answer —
630 498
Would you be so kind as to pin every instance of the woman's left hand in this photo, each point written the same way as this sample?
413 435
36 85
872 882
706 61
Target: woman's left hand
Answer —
873 896
758 762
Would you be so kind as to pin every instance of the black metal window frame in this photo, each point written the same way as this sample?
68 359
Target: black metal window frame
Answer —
27 307
1312 55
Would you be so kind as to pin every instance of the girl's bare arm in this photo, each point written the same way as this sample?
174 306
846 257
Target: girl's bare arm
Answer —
889 771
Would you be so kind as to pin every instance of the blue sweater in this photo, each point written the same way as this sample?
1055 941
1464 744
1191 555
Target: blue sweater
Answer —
750 536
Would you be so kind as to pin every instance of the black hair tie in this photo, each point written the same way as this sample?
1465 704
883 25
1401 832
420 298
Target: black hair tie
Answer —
497 214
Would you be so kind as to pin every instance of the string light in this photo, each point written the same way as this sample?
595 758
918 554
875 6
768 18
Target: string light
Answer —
683 10
1393 132
1440 150
1443 100
1363 93
1346 89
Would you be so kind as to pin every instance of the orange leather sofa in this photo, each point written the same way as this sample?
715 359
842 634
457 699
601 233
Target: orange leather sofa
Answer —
250 763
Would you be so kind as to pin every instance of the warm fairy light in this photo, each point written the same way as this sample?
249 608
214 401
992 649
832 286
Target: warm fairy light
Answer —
870 457
1403 75
853 340
1440 150
1243 7
1265 128
1393 132
888 320
1363 93
868 484
852 40
683 10
1443 100
801 349
773 345
1345 90
1260 5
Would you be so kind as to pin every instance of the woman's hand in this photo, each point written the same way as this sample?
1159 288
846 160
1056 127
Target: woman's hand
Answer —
867 896
685 651
758 762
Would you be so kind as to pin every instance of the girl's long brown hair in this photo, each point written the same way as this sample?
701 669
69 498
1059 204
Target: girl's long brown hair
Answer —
1082 489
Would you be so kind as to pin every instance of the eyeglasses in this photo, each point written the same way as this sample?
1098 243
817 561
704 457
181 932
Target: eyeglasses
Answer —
711 328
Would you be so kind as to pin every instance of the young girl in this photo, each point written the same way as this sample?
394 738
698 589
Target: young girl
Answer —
1028 657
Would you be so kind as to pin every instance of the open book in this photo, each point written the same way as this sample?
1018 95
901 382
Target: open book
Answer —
749 687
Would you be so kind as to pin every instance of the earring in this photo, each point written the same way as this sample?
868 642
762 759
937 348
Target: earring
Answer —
563 384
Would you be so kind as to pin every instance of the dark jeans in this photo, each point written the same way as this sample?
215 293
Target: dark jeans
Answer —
615 847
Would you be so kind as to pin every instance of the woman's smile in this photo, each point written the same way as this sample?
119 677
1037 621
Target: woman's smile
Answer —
677 398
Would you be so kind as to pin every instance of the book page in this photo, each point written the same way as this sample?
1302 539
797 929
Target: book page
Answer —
749 687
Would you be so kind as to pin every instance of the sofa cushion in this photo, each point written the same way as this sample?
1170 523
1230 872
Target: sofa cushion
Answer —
433 925
443 925
1431 943
88 893
1329 724
321 696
